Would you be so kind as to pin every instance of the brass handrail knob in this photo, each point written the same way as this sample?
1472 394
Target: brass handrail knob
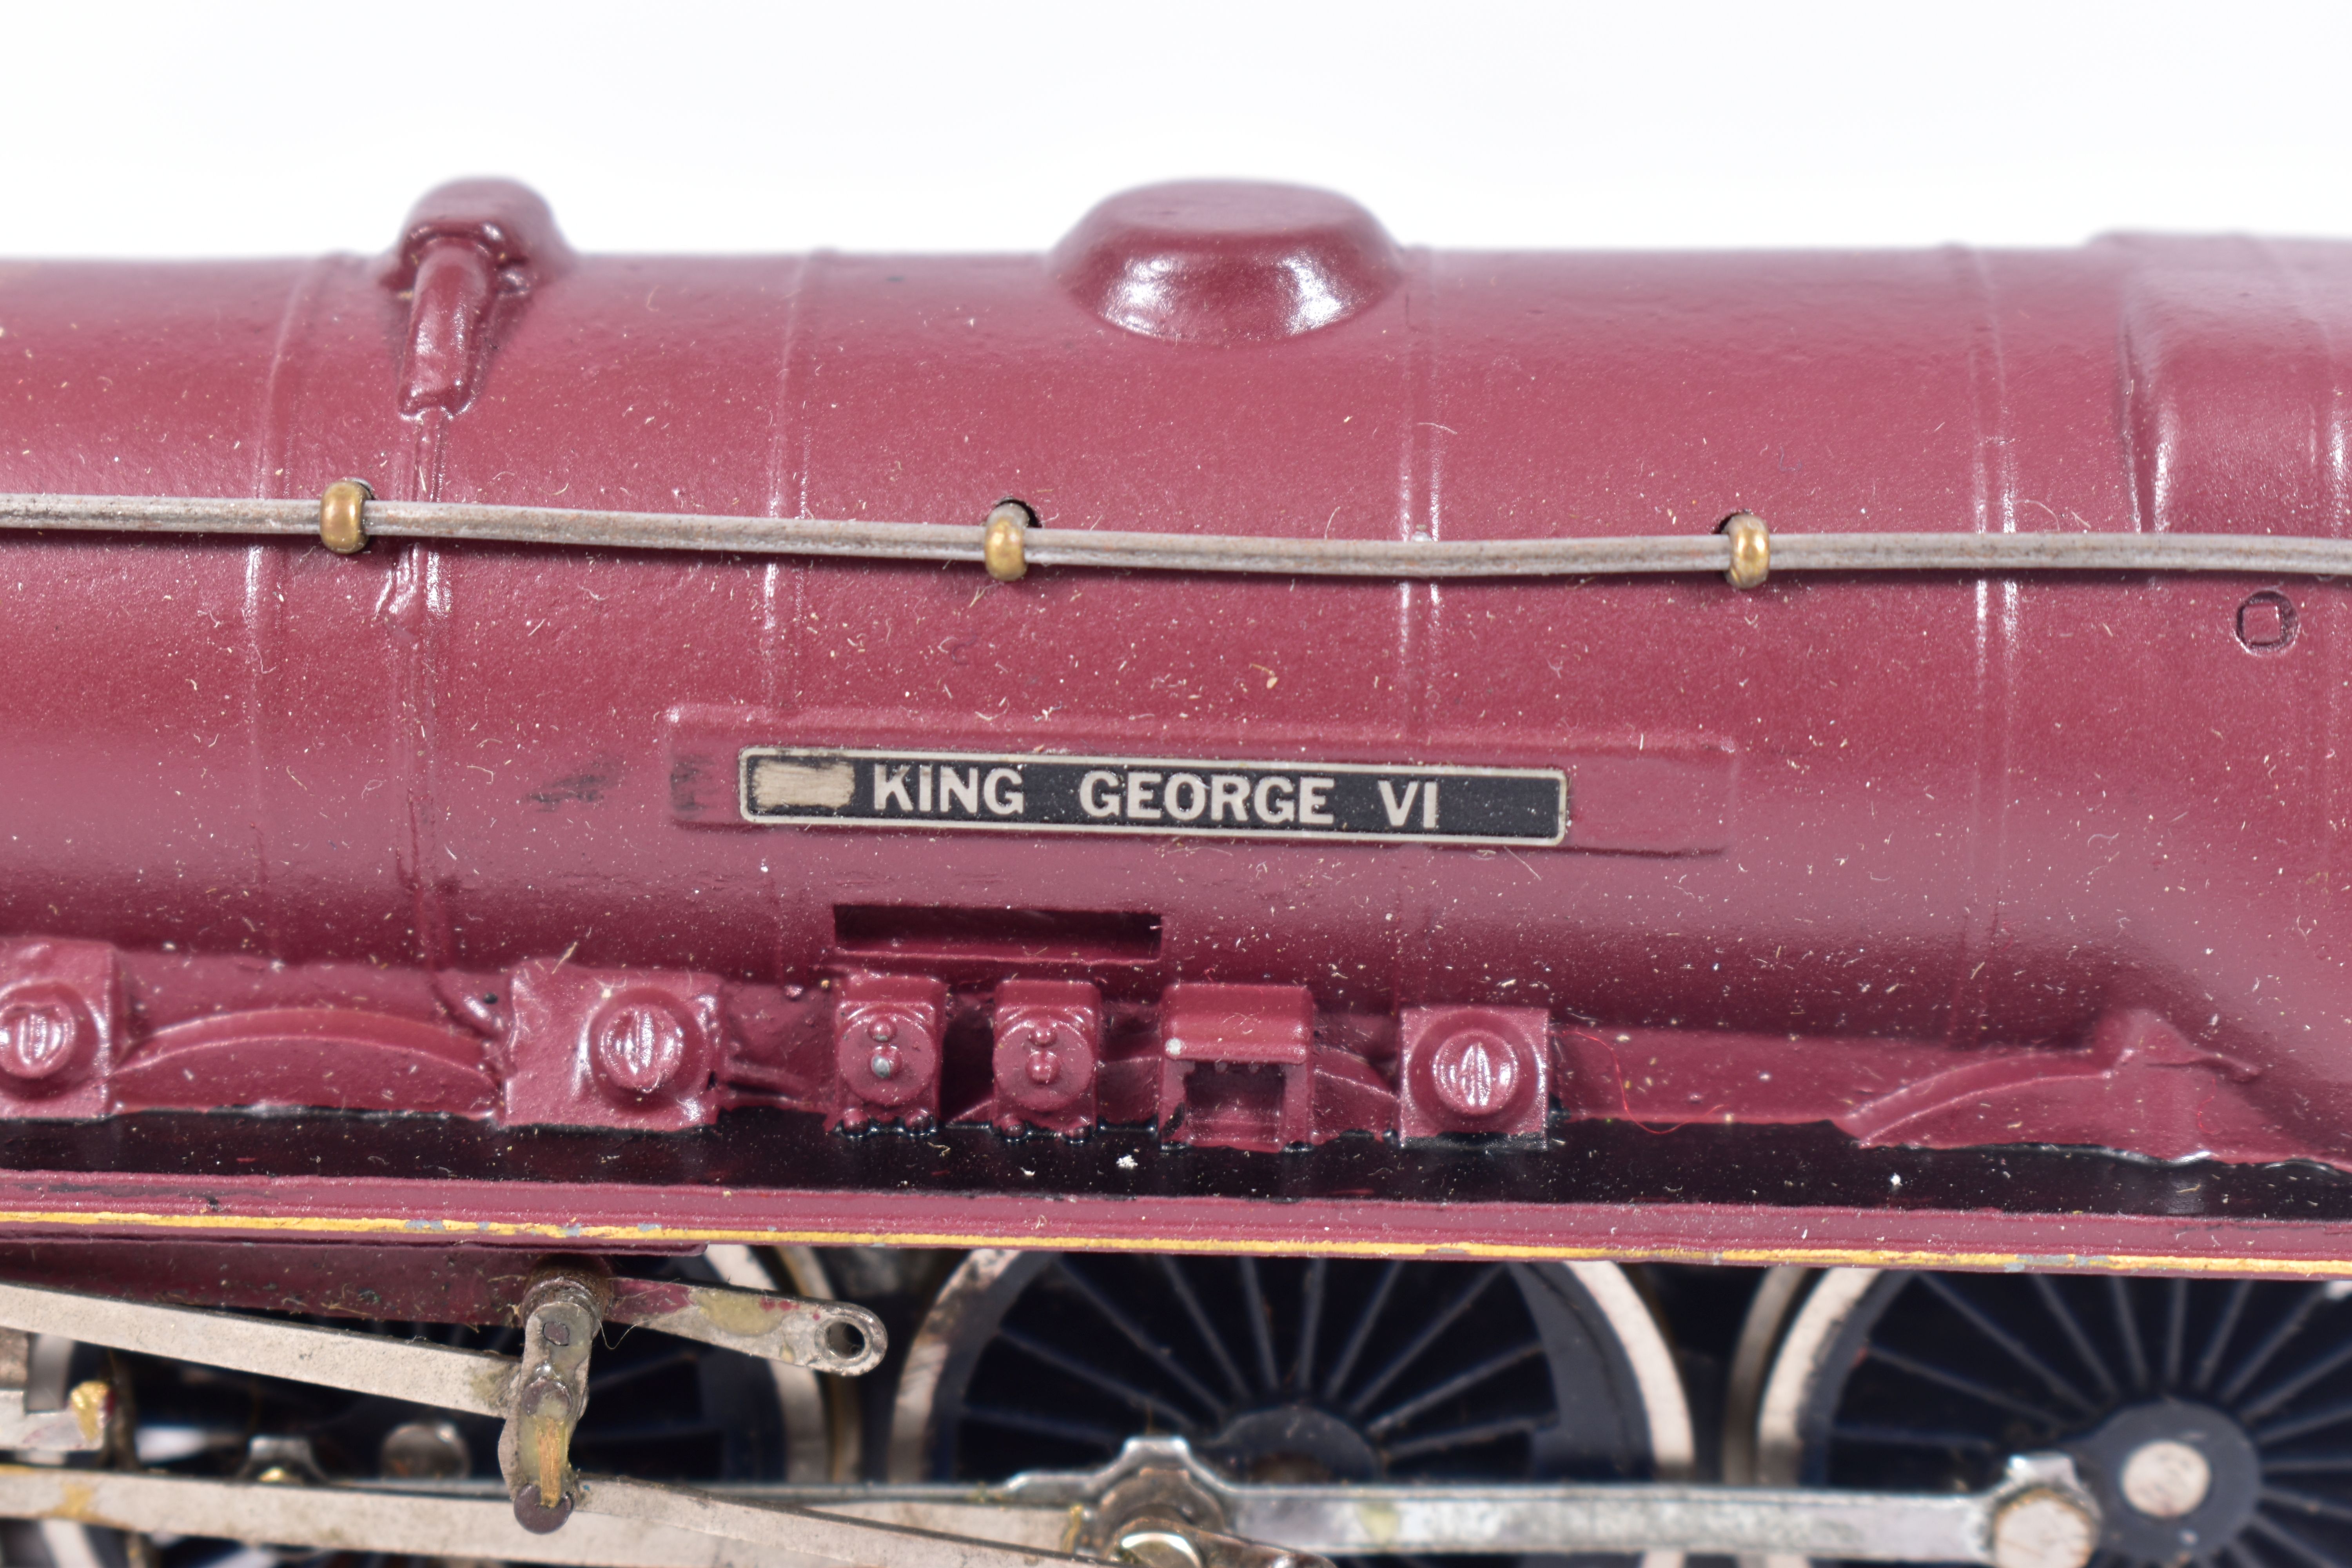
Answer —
1751 550
341 527
1004 545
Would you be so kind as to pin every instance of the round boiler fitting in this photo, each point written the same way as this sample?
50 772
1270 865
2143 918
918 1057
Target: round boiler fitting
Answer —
1226 261
887 1060
638 1043
1475 1074
44 1030
1046 1074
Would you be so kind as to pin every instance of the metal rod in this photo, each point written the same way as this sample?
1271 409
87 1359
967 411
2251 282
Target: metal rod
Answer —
839 1337
1408 1521
471 1381
340 1519
1446 1518
631 1524
868 1544
2261 554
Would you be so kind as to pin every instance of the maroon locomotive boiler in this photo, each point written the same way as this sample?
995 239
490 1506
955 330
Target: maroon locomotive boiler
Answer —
1947 858
1231 737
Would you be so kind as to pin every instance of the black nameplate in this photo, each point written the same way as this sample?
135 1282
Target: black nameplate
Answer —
1033 793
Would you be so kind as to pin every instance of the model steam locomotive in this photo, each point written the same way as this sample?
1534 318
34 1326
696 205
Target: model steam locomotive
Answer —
1236 837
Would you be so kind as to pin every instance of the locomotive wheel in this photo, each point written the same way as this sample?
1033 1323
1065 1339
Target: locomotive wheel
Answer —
1289 1370
2212 1419
659 1409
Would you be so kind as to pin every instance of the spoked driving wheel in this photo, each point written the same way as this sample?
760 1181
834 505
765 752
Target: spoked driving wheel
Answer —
1287 1370
659 1409
2212 1419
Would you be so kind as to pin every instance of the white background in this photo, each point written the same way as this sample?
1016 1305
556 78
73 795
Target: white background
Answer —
191 130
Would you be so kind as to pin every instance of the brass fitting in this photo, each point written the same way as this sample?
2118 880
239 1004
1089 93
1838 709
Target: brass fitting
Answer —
342 528
1002 548
1751 550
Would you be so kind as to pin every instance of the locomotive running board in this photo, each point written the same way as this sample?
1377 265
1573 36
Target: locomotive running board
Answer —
139 1190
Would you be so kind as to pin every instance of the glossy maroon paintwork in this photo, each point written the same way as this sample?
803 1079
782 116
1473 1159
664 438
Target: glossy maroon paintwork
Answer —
1945 860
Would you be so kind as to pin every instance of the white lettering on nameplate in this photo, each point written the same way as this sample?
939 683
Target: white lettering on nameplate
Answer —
1038 794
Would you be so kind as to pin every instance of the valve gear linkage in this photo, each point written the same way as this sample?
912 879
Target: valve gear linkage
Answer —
1156 1506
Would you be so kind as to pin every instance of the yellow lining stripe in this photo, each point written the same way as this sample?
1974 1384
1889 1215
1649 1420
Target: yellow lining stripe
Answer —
541 1230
